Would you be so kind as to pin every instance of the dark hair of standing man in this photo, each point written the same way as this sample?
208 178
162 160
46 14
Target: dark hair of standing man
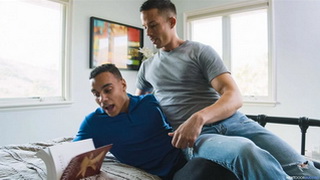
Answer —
164 6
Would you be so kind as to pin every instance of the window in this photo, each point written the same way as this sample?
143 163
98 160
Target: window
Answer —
34 53
241 36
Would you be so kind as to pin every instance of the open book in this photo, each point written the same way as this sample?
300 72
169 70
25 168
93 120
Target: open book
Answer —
73 160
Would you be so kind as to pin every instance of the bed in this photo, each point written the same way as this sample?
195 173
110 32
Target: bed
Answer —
19 161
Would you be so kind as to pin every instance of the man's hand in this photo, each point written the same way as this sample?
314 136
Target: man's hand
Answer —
187 133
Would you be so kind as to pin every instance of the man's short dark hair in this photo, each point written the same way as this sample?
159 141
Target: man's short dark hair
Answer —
164 6
106 68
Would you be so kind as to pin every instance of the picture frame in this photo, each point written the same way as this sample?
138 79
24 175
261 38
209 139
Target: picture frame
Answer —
115 43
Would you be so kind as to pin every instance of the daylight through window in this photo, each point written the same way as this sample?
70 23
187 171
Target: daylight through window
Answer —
241 36
33 51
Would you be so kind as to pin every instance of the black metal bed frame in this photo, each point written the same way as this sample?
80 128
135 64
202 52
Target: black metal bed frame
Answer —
303 122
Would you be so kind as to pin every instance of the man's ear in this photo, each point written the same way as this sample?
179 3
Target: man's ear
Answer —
173 21
124 84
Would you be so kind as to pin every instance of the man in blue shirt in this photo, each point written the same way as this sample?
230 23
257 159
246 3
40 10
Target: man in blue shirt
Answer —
135 125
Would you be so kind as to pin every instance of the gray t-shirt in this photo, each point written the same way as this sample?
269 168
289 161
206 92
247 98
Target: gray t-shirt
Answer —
181 79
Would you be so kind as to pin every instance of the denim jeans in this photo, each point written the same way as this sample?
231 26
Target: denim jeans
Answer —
251 151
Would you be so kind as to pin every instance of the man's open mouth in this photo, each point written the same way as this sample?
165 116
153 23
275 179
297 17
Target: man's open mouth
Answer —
154 40
109 107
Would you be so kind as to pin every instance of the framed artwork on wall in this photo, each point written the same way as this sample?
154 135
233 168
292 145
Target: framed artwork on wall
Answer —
116 43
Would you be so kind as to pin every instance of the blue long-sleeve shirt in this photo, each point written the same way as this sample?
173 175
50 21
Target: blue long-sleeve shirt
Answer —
139 137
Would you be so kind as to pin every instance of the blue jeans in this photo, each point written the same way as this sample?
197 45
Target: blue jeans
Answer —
251 151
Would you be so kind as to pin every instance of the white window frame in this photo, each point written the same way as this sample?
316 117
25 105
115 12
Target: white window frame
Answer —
245 6
47 102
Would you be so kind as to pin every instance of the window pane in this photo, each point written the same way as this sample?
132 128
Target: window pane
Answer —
208 31
249 52
31 48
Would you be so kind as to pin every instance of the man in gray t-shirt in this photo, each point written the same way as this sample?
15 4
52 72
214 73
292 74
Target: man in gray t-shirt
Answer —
186 77
181 78
201 100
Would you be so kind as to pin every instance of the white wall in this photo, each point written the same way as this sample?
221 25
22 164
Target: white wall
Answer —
297 60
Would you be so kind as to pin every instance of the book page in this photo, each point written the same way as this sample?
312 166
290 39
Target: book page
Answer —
63 153
45 155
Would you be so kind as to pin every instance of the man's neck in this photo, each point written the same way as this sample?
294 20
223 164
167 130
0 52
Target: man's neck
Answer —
176 43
